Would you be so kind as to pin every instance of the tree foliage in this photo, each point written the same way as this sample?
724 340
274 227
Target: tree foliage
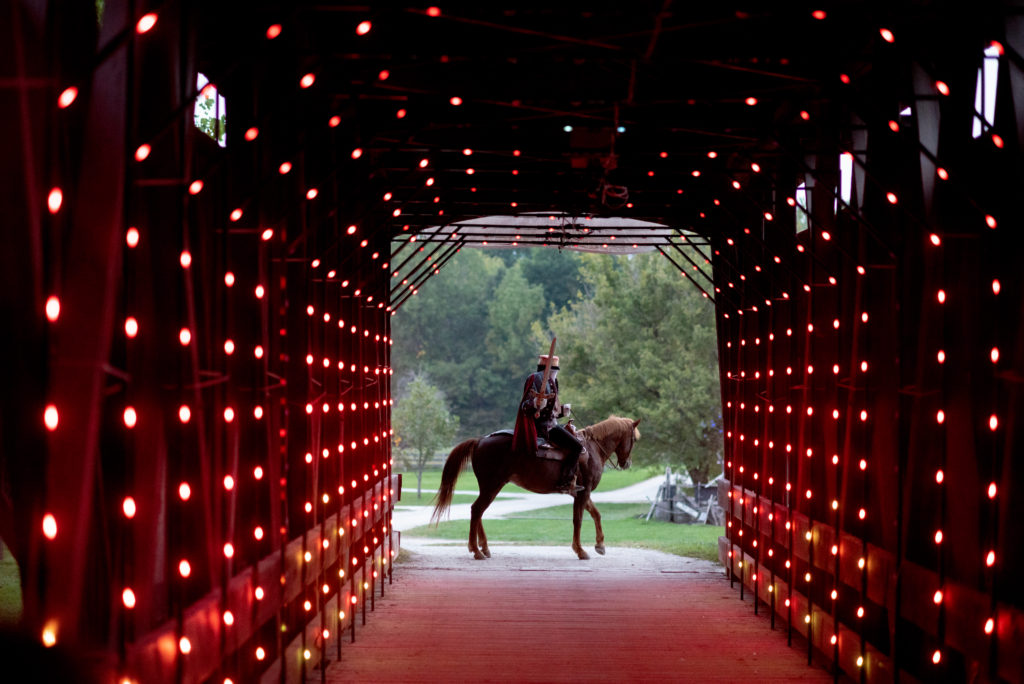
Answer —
422 425
642 343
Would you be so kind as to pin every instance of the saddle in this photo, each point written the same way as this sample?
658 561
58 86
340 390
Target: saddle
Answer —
545 449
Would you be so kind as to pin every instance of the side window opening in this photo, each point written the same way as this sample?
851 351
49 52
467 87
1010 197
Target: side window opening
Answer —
210 111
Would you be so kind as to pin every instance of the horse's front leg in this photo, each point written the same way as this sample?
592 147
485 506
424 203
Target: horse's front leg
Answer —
578 504
592 509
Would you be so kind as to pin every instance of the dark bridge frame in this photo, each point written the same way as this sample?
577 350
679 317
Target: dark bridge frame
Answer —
871 363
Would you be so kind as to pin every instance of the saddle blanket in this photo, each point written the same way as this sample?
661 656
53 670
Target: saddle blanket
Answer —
545 449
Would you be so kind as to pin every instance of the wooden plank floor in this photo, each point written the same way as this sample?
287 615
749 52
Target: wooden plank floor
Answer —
530 618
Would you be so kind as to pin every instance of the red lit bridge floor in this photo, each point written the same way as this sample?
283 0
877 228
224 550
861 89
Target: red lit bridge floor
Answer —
537 614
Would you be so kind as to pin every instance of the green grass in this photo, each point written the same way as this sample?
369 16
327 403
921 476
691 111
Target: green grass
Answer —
10 589
611 479
623 526
409 499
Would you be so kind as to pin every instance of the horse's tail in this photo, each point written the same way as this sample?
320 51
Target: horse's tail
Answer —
452 467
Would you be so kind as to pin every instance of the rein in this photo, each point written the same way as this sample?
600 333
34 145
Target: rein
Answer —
605 458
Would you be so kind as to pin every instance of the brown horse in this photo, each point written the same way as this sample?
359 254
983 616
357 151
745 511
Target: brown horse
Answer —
495 465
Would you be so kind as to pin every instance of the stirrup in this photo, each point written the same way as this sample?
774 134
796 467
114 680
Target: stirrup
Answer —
569 487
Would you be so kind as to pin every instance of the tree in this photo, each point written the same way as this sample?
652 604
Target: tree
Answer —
557 271
441 332
640 341
422 425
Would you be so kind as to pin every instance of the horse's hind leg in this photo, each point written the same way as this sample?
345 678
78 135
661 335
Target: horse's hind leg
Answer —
592 509
476 525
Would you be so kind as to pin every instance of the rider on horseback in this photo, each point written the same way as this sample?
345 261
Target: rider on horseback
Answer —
538 415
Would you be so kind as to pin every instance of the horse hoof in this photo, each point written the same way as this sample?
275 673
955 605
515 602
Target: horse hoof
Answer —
487 553
584 555
599 549
479 556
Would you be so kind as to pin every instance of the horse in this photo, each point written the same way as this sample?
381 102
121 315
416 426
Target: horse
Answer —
495 465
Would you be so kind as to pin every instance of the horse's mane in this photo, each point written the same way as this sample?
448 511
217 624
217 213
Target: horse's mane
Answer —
608 426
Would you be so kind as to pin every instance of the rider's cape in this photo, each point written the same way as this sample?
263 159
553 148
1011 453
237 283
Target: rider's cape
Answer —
524 437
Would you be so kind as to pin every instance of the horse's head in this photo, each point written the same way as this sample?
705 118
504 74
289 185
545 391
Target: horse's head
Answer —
625 446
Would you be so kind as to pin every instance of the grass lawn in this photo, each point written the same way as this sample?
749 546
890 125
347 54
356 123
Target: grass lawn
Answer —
10 589
612 479
409 499
623 526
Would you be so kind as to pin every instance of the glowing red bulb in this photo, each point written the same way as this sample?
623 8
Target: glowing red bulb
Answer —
267 234
128 507
751 101
994 355
184 568
252 133
235 214
940 416
184 336
273 31
334 121
894 126
935 239
54 200
52 308
997 140
131 237
939 476
195 187
142 151
990 559
400 114
128 598
357 153
184 491
938 536
990 221
991 491
940 296
805 115
996 287
49 526
942 173
67 96
433 11
130 417
990 626
383 75
819 14
184 413
455 101
891 196
185 259
307 80
887 35
145 23
937 657
363 28
942 87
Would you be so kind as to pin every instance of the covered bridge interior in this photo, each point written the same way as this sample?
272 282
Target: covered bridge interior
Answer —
212 211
